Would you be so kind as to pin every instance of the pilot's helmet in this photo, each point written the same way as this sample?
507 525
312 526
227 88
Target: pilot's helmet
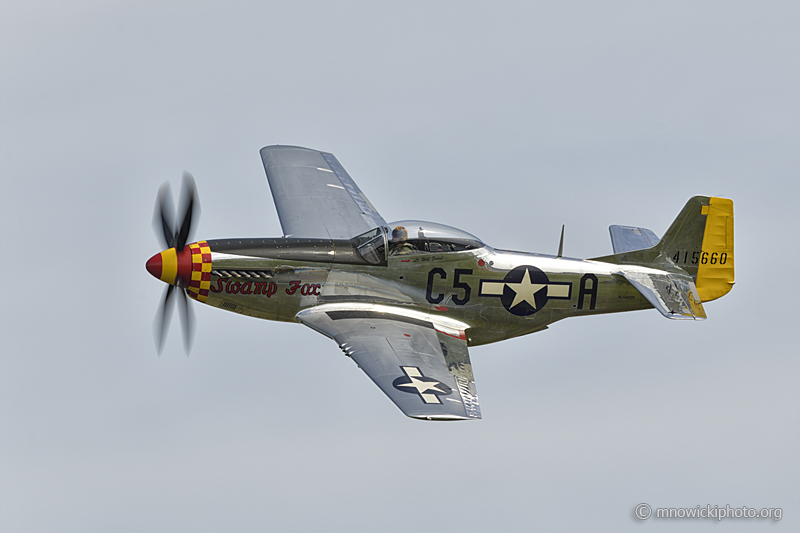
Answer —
399 234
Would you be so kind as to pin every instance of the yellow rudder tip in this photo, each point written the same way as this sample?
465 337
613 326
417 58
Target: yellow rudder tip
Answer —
715 274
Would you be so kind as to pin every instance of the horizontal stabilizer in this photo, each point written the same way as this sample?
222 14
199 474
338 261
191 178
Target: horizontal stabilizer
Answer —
674 295
629 238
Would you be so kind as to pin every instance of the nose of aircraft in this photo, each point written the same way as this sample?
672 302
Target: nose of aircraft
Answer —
171 266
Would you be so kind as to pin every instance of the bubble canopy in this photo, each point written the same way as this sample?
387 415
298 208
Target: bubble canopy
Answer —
418 230
406 237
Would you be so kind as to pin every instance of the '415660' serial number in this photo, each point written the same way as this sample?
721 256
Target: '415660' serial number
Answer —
703 258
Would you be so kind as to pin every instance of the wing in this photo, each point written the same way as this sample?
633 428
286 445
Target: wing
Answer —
424 368
315 196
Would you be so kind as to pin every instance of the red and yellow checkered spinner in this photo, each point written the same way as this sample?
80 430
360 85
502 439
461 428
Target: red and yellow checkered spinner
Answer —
189 269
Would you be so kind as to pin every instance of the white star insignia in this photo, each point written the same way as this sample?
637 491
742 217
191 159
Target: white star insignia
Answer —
525 290
420 386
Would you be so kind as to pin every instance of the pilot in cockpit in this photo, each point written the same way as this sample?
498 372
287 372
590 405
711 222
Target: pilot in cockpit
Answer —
400 244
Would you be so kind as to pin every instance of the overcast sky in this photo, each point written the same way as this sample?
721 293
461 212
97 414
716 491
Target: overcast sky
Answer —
504 119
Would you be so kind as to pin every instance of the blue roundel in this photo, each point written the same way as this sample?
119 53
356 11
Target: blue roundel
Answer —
526 290
415 382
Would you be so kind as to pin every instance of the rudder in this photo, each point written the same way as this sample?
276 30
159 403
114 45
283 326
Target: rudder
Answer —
700 241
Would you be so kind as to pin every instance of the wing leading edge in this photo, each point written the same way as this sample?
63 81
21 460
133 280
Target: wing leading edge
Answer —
315 196
422 366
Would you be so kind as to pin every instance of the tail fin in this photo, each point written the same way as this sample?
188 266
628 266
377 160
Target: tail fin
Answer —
699 242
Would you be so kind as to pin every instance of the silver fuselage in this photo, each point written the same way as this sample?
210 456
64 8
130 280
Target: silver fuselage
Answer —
498 294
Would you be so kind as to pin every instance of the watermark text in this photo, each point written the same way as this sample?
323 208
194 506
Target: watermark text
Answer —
643 511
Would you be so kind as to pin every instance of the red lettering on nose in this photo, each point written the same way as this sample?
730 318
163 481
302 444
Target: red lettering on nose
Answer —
293 286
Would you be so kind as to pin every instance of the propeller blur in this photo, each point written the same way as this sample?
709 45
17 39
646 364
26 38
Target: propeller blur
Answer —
172 266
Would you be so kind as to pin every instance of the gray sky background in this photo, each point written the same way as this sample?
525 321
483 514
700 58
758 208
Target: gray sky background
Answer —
504 119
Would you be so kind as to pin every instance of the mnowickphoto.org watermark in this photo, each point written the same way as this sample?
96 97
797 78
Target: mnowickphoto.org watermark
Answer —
643 511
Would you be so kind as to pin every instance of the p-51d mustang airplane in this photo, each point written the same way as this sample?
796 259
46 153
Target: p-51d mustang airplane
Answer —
405 300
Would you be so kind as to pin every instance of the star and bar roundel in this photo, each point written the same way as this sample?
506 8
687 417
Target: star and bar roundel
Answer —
415 382
525 290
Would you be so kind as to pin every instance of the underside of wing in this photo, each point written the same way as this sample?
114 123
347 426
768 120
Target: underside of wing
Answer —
422 366
315 196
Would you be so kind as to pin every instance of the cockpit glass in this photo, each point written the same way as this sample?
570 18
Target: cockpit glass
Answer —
417 237
372 246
